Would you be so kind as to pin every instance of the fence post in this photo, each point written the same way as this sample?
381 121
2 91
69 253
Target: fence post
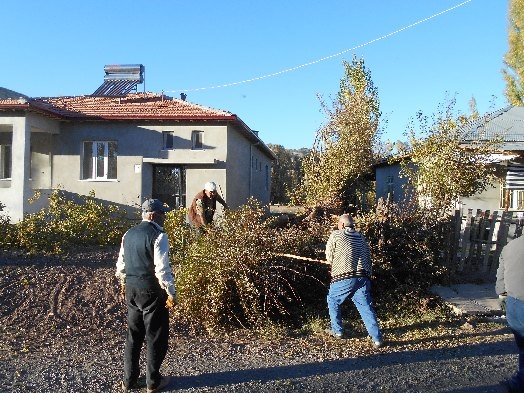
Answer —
466 241
502 238
455 239
475 238
489 242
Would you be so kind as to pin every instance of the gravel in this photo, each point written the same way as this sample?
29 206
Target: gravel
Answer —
62 329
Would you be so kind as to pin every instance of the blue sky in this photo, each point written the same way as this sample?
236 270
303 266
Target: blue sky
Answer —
266 61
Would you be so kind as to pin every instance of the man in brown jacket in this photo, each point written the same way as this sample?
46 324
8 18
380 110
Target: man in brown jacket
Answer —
204 204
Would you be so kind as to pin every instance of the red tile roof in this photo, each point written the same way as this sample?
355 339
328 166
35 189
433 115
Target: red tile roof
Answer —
133 106
137 106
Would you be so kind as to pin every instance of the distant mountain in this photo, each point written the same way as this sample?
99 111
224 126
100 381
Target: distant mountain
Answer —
300 152
6 94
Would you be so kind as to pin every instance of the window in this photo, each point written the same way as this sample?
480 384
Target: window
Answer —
511 199
267 177
168 137
390 186
197 139
5 161
99 160
512 189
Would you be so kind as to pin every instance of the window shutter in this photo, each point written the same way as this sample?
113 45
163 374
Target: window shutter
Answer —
515 176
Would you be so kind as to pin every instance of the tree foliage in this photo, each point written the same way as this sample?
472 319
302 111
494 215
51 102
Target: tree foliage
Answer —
514 58
287 173
440 166
344 148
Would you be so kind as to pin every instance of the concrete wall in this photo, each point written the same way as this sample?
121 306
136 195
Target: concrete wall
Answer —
246 168
226 157
382 174
22 127
487 200
133 143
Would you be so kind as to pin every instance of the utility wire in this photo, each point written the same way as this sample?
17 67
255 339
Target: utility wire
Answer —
323 58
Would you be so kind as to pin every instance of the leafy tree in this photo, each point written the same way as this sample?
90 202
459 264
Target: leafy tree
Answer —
287 173
444 166
345 147
514 58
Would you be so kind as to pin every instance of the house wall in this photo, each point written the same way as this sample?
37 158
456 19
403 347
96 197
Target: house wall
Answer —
133 143
202 165
487 200
56 161
139 148
382 174
23 127
246 168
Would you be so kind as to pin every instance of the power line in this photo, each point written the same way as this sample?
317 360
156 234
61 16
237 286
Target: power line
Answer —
323 58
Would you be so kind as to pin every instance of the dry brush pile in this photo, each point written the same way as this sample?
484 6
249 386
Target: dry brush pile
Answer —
232 275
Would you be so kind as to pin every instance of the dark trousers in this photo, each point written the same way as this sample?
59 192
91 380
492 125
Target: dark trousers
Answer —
147 318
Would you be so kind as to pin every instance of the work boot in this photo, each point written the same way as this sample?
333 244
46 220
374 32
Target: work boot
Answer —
163 383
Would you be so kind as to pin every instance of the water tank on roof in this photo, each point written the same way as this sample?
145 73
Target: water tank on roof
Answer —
120 79
133 72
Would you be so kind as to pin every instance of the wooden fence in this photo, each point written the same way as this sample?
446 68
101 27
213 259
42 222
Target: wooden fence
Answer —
476 240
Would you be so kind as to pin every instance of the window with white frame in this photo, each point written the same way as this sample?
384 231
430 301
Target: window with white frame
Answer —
197 140
99 160
5 161
512 188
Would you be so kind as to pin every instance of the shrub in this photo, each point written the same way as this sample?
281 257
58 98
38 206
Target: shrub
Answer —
405 246
7 229
65 224
231 276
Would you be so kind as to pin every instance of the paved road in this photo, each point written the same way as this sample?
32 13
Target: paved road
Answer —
476 368
206 367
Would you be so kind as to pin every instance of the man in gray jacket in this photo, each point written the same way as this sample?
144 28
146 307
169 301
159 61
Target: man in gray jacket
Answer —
348 253
510 282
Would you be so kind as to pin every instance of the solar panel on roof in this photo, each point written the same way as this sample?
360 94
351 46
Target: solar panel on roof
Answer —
120 79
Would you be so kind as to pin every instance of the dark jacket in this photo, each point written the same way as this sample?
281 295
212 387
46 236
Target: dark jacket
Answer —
209 205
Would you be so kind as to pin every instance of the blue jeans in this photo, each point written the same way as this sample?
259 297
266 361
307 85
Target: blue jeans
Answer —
147 319
358 289
515 318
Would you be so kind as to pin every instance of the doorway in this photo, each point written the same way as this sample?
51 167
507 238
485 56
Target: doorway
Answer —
169 184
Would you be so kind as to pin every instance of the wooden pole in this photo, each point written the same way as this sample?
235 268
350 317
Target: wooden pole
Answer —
301 258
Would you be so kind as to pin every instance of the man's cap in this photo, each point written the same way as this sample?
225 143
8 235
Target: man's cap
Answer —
154 205
210 186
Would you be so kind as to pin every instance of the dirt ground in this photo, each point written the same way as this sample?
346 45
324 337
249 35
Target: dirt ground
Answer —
72 294
62 328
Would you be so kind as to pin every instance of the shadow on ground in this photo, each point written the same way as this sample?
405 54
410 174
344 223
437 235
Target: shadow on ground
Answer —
320 369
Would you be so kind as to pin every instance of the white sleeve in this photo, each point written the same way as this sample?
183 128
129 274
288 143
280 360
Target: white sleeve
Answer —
120 265
162 266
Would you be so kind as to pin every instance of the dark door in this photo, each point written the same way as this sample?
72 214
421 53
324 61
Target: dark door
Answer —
169 184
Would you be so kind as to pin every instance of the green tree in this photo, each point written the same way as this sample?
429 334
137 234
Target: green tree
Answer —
287 173
514 58
440 165
345 147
